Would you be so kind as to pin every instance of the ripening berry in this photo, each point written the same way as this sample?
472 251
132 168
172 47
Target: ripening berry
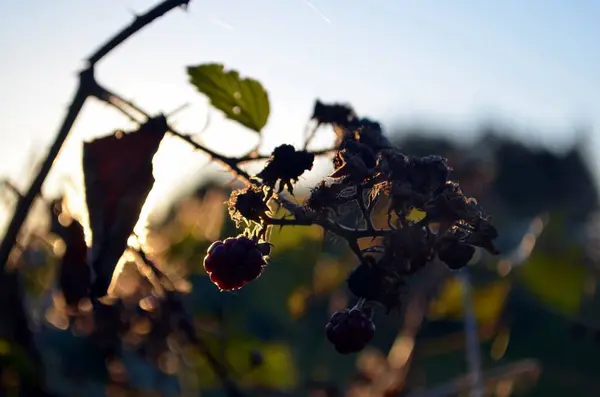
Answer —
456 255
233 262
349 330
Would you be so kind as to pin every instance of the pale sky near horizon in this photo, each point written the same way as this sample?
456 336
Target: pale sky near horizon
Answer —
536 63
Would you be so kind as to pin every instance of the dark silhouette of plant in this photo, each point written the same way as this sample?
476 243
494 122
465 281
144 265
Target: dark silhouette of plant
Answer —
428 215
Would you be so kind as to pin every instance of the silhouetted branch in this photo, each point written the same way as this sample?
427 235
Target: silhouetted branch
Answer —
133 112
138 24
262 157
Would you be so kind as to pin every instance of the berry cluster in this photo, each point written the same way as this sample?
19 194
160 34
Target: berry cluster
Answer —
234 262
350 330
368 170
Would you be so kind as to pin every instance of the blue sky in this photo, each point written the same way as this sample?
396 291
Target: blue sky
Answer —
536 63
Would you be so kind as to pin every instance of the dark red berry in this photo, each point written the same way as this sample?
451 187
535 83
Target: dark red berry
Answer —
214 245
229 241
233 262
349 330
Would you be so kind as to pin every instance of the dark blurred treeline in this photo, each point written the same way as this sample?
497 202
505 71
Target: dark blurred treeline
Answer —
535 304
544 203
529 179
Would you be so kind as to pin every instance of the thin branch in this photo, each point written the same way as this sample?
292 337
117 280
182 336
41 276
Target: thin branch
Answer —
230 162
304 218
350 235
138 24
341 230
134 113
262 157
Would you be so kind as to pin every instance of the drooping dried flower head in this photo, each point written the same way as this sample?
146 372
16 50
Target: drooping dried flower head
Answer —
285 166
247 204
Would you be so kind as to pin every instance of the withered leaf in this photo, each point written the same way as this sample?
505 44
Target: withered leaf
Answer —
118 177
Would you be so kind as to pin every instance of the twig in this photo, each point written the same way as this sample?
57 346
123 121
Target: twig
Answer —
138 24
262 157
341 230
303 218
227 161
134 112
137 114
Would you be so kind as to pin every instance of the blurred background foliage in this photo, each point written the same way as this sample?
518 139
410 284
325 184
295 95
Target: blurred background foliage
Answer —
536 304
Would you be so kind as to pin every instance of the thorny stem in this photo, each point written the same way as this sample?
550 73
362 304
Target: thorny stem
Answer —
301 218
341 230
261 157
136 114
128 108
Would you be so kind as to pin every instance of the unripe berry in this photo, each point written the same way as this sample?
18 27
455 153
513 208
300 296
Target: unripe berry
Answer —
233 262
349 330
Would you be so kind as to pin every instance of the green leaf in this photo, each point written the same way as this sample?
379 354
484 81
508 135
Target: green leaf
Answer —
241 99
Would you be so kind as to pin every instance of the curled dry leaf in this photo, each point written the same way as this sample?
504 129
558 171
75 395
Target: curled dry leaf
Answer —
118 178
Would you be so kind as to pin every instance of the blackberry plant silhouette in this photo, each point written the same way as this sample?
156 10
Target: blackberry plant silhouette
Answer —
428 216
